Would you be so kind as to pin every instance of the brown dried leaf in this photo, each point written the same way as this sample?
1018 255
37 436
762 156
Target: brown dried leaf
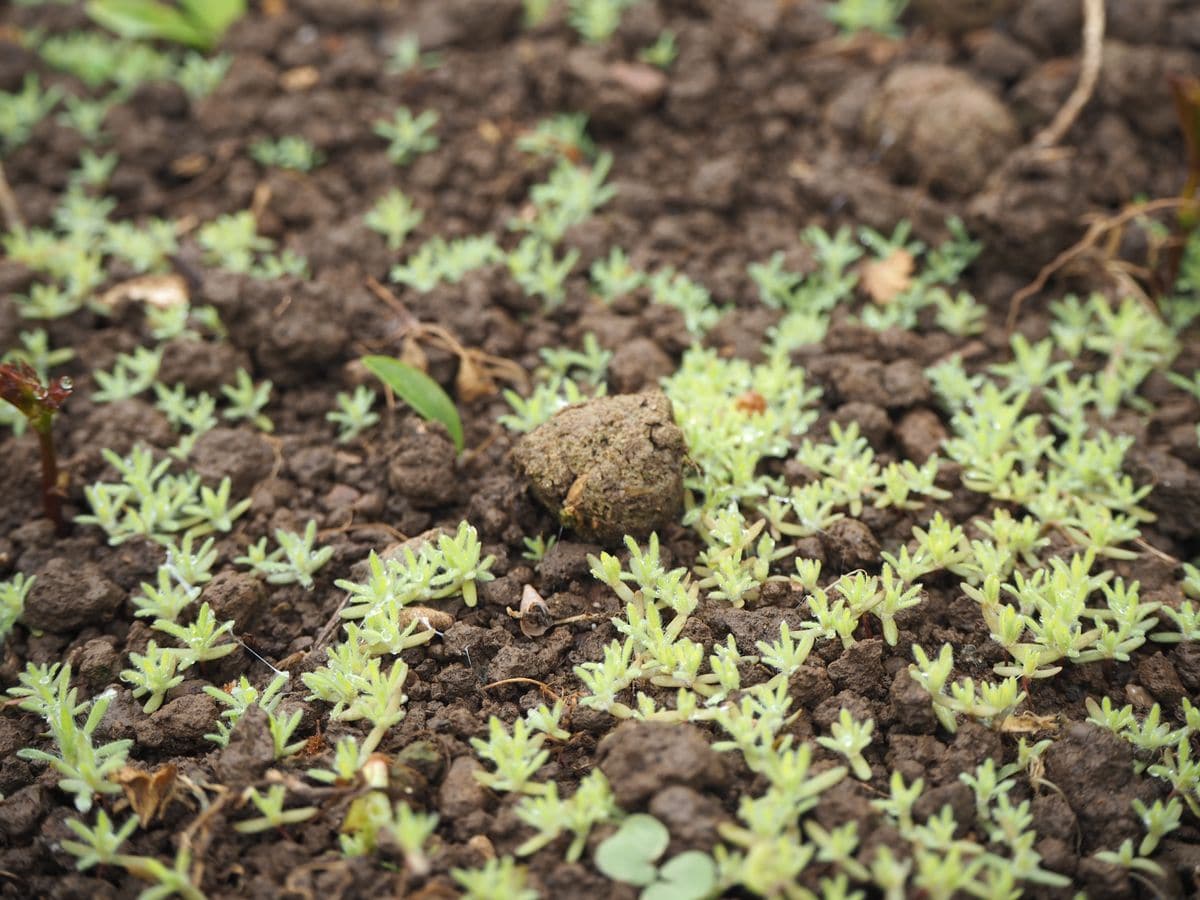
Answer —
412 354
300 78
885 279
472 382
148 793
1029 723
161 291
432 619
534 614
190 166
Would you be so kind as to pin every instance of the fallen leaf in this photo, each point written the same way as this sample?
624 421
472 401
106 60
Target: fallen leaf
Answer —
190 166
411 353
472 382
161 291
148 793
1029 723
301 78
534 614
885 279
433 619
751 402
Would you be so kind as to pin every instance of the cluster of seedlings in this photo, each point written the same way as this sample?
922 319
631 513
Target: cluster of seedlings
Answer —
1040 560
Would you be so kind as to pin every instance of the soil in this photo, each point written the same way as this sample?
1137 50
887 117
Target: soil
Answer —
766 123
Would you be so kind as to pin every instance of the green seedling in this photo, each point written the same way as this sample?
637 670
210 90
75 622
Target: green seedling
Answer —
420 392
196 23
879 16
662 52
353 415
499 879
394 216
408 136
12 601
39 403
629 856
272 813
288 152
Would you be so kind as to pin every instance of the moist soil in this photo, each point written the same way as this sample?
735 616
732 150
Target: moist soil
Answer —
766 123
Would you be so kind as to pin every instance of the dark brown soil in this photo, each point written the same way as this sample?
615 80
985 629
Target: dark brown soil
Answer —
766 123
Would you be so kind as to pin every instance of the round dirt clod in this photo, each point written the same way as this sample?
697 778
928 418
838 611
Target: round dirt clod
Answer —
608 467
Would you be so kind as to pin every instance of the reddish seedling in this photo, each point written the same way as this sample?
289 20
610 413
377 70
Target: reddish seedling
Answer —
38 403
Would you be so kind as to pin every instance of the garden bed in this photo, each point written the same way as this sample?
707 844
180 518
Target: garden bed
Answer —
810 242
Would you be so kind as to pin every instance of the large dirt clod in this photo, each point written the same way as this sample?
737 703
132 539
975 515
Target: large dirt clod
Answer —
608 467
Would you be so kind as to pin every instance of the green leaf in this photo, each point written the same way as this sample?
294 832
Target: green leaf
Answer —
420 392
143 19
214 16
629 854
688 876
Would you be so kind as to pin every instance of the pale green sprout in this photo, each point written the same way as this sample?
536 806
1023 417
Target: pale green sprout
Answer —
539 273
990 702
132 374
21 111
849 738
12 600
272 813
591 804
407 55
200 75
614 276
348 759
596 20
247 399
1159 820
85 768
200 638
1126 857
537 547
499 879
786 655
662 52
408 136
98 846
295 560
153 673
288 152
394 216
564 135
353 415
516 756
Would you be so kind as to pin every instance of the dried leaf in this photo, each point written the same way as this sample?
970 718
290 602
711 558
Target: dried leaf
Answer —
472 382
190 166
411 353
148 793
751 402
433 619
534 614
1029 723
300 78
885 279
162 291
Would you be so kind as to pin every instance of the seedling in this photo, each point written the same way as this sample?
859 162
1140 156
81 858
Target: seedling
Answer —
629 856
38 403
295 560
273 815
408 136
288 152
197 23
12 601
353 415
662 52
394 216
420 392
499 879
879 16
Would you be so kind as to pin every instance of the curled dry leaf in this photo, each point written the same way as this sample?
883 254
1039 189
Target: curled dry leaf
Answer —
148 793
161 291
886 279
472 382
432 619
534 614
300 78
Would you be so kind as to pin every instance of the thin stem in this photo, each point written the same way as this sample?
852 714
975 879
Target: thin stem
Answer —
51 498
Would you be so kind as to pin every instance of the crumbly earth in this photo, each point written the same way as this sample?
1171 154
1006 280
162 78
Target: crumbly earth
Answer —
766 123
608 467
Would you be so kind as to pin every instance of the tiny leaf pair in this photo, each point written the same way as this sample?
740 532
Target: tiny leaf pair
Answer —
629 855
